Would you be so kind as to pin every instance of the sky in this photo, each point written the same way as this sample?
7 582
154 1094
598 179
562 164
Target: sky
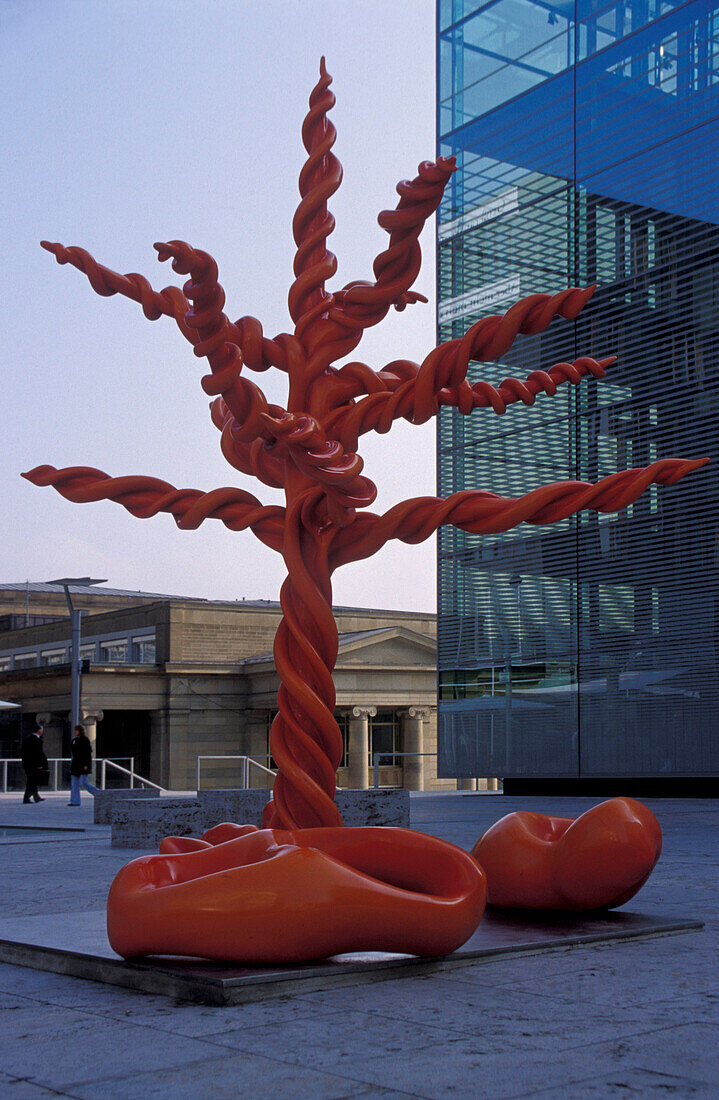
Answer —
127 122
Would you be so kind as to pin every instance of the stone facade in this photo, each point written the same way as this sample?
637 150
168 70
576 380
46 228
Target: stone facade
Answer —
169 680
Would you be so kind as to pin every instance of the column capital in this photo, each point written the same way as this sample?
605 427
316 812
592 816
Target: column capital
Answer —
45 718
422 713
364 712
95 715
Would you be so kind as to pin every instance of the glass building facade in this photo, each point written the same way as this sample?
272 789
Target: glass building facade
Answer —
587 142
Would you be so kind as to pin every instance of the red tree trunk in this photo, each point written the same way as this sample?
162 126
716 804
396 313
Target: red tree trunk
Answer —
305 739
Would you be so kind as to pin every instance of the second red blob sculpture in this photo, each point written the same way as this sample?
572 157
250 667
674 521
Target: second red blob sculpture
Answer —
598 861
310 448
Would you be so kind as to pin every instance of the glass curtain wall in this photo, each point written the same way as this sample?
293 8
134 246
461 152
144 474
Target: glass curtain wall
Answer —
587 139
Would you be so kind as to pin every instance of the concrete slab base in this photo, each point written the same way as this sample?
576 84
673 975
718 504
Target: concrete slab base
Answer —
76 944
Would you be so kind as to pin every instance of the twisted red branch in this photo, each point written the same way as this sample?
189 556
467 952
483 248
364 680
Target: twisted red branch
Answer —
481 512
215 339
305 739
321 459
359 305
147 496
319 179
258 459
169 302
364 304
416 393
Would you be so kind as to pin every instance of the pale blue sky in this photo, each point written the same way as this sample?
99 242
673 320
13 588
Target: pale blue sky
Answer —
129 122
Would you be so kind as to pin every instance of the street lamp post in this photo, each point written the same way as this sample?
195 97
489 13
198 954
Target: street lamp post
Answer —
75 617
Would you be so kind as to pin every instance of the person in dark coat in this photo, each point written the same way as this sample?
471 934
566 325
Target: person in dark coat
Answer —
81 765
34 763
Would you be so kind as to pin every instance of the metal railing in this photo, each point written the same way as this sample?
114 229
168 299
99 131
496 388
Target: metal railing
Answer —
102 763
246 762
105 761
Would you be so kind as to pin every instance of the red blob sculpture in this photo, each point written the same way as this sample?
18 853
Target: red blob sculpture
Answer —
309 449
277 896
598 861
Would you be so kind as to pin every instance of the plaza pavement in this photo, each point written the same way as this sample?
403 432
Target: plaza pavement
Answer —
637 1018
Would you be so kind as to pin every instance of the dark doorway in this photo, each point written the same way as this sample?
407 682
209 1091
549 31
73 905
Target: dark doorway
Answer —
122 734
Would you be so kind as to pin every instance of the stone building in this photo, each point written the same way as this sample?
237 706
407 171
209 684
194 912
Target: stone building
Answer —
167 679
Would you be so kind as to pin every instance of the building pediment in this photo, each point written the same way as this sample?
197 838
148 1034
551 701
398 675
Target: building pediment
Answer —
396 647
390 647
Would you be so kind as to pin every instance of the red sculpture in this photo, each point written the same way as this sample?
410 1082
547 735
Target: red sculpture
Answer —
277 896
598 861
310 448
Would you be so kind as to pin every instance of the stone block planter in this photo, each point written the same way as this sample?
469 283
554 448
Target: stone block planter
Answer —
105 800
142 823
374 807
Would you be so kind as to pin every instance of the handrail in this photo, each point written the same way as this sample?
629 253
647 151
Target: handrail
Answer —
133 776
102 761
244 769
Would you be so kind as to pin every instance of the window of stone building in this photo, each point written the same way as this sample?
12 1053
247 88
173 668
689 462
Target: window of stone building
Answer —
4 664
343 721
113 652
385 737
87 652
25 660
54 656
144 649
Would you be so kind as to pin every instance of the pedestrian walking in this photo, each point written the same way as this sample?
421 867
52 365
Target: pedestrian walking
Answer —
34 763
81 765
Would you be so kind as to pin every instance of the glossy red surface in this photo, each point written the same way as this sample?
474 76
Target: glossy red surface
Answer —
272 896
596 861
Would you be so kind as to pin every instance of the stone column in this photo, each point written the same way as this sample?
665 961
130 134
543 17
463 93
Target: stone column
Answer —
467 785
358 748
413 741
89 719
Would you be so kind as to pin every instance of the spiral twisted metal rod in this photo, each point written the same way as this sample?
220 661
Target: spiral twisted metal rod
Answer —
256 459
259 351
398 266
416 393
359 305
320 177
169 302
144 497
481 512
305 739
323 460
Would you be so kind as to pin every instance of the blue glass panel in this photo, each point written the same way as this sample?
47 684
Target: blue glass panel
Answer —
590 648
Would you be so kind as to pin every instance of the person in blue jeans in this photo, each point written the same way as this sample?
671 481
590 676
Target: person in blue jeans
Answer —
80 766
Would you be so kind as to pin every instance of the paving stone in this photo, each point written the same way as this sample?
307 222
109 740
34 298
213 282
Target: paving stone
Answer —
17 1088
55 1049
226 1078
627 1083
360 1032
